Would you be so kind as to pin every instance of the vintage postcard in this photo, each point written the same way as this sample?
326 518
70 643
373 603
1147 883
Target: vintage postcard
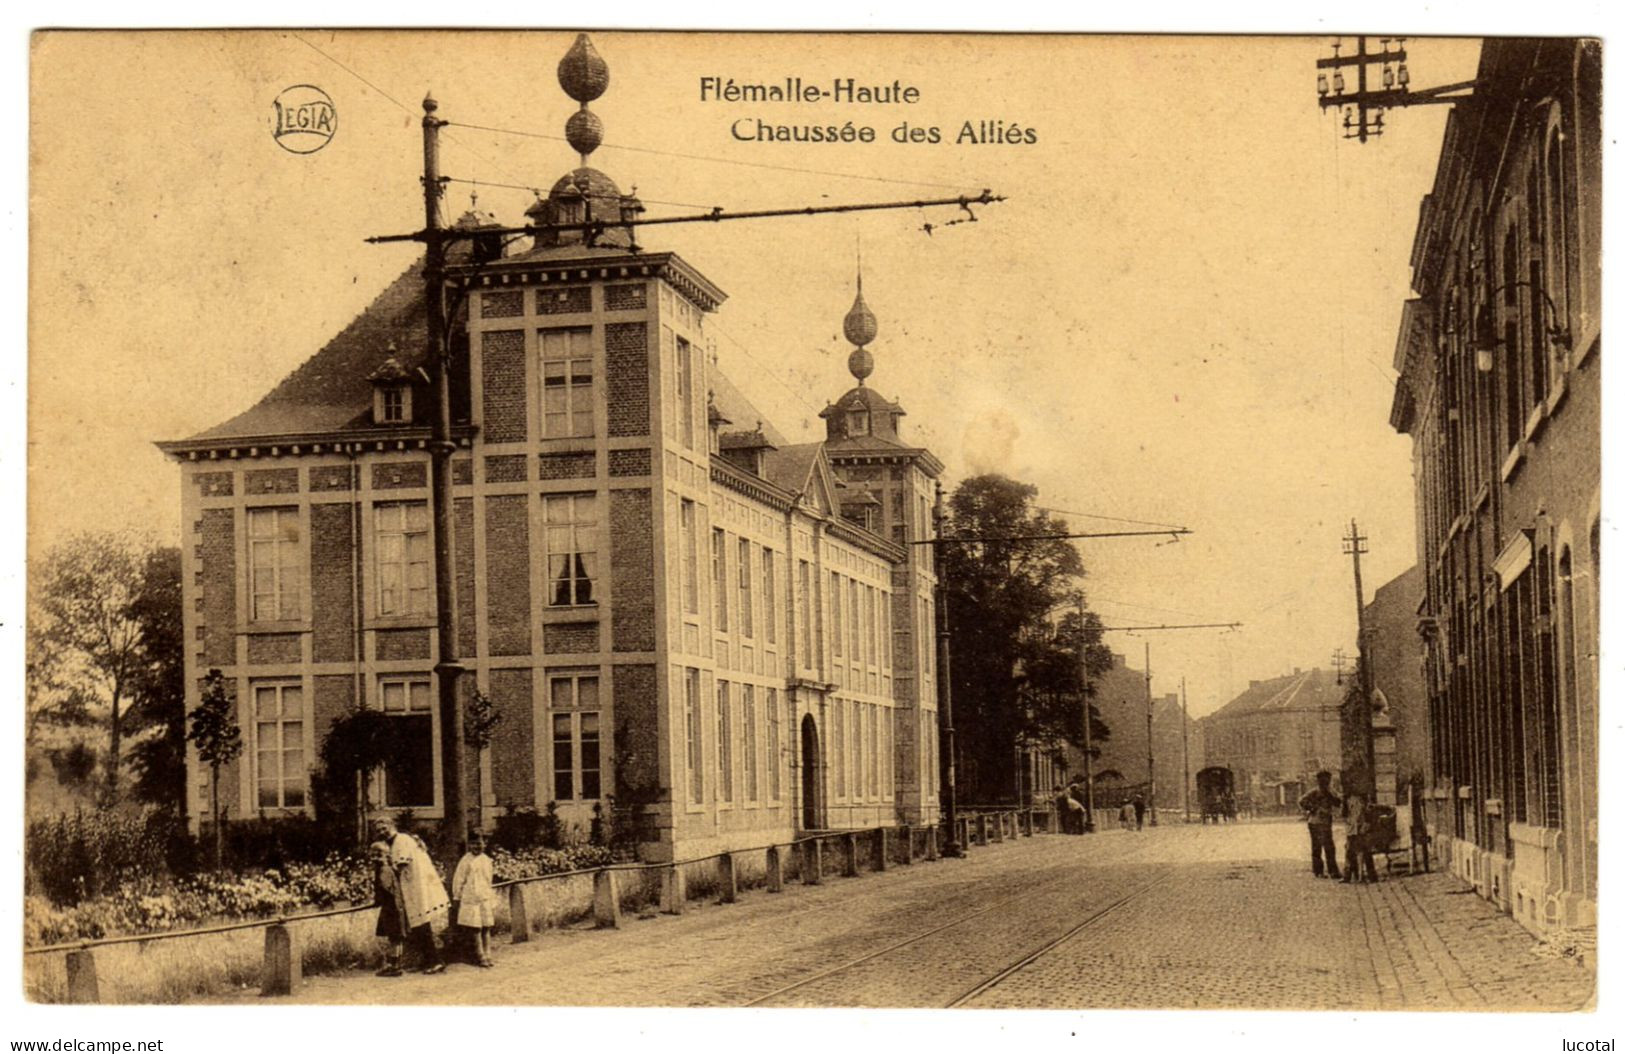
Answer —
841 520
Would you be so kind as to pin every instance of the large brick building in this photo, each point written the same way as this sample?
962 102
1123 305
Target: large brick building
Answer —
1499 356
666 600
1275 736
1122 765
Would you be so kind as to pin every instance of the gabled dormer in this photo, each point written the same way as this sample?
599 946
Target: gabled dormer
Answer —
391 393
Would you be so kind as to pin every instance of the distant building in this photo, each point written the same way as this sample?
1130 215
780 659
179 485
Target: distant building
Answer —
1393 730
1275 736
671 605
1500 356
1122 766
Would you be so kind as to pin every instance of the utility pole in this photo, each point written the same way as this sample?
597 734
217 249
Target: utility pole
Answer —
1354 543
1363 107
454 826
1185 732
1088 722
1150 754
945 690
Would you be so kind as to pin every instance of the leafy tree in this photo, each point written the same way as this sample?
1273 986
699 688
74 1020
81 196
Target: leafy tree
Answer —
480 722
1015 679
219 740
84 640
158 689
356 747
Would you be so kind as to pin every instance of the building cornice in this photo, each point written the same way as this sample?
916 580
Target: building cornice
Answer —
519 272
308 444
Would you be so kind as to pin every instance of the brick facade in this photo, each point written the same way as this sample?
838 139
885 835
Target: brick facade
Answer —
626 365
502 385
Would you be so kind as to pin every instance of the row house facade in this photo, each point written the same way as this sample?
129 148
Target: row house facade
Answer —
1499 355
668 603
1275 736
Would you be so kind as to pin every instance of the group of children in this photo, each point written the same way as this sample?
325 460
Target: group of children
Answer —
410 898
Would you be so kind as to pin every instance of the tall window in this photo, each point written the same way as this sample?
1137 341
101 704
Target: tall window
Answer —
747 606
409 775
279 746
719 578
773 761
835 633
1514 353
404 583
394 404
274 563
572 548
691 559
566 381
725 752
770 611
805 614
685 390
691 724
928 638
577 756
839 742
856 620
747 706
874 750
858 711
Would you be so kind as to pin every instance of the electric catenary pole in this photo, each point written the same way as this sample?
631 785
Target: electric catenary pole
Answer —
1363 107
1354 543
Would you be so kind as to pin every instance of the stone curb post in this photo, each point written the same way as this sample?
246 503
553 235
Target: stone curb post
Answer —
812 862
518 914
728 878
931 842
673 890
281 972
775 870
850 844
882 848
998 826
981 828
905 839
606 899
82 986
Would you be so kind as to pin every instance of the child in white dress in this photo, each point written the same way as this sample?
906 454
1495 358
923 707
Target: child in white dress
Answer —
476 899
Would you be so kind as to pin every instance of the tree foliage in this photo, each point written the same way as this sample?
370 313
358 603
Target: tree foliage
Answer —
85 640
158 690
219 740
1014 667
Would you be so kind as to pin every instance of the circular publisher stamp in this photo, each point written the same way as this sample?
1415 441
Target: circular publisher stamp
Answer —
305 119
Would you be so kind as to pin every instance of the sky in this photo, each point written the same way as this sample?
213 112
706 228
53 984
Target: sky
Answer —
1184 312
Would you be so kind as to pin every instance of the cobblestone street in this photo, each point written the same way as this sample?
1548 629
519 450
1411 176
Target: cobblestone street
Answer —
1174 917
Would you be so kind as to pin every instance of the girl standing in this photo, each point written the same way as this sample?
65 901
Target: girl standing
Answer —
471 889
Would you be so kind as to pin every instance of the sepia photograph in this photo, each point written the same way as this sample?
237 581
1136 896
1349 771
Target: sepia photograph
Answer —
843 520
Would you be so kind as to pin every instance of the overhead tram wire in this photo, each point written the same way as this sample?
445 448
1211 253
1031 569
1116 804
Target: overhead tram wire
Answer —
1101 516
714 160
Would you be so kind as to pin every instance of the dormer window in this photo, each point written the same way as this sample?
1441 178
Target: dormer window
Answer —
391 392
857 423
392 405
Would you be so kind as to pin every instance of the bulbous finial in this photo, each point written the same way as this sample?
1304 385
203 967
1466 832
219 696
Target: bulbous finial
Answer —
861 363
584 131
860 324
583 73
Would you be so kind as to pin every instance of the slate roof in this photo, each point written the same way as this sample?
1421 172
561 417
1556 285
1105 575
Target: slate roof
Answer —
791 467
1309 690
739 410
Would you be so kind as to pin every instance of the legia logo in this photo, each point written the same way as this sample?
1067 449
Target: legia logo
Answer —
304 119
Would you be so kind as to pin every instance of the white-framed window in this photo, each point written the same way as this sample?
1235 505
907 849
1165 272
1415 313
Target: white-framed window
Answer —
719 578
725 752
409 776
577 742
275 564
691 726
857 423
405 585
747 716
690 557
394 404
571 522
747 606
566 381
279 746
770 611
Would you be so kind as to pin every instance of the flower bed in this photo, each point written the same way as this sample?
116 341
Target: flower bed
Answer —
148 904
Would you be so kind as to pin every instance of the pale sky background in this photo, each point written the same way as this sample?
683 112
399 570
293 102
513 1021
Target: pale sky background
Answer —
1185 312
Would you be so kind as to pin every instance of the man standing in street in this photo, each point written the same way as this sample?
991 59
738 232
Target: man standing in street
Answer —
1139 812
1319 806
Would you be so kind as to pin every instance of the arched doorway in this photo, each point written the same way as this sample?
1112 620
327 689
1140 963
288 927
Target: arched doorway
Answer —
810 769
